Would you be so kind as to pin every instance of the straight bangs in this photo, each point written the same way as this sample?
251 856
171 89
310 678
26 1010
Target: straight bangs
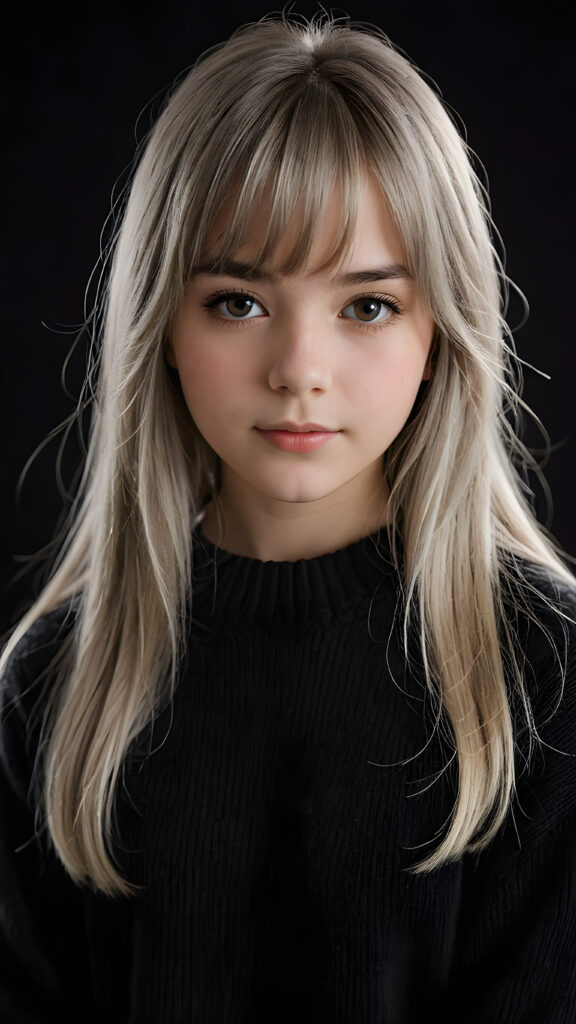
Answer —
278 184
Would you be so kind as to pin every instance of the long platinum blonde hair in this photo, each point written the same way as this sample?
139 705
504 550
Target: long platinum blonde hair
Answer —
278 115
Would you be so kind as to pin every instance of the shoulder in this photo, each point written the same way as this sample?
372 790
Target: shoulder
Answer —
538 632
29 673
544 584
540 606
35 652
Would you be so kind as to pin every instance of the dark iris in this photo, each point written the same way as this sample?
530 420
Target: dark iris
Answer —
239 305
367 309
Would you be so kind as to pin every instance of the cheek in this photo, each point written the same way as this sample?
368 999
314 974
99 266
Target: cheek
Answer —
211 381
385 386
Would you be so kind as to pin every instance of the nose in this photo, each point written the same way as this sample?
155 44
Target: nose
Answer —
300 360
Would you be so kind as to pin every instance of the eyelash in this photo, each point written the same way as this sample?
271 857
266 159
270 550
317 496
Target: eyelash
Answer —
392 304
216 298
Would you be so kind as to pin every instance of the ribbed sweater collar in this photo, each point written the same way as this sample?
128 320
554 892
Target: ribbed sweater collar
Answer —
313 590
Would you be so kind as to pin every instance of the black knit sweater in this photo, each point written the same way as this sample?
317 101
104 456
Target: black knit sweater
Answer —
271 817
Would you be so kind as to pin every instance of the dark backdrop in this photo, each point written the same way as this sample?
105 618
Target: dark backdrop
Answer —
74 87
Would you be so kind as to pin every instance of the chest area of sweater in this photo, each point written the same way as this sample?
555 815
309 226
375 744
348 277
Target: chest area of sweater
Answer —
313 742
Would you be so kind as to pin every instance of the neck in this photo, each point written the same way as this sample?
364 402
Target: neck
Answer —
281 531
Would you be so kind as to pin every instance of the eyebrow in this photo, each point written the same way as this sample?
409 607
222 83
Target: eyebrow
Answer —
235 268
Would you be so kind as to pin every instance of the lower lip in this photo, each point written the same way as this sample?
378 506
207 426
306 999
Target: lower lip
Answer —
292 441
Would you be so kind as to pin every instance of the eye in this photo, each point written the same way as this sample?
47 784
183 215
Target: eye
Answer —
235 306
369 309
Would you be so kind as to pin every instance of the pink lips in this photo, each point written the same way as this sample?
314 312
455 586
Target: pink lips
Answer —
294 437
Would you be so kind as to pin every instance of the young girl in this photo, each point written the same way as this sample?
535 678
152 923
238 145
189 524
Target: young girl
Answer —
289 735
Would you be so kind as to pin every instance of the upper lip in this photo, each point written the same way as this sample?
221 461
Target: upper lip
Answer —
299 428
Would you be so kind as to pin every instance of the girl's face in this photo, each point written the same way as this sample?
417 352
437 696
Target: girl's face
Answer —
301 382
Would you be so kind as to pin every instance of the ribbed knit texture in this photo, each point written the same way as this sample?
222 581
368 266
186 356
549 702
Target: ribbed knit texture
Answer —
271 816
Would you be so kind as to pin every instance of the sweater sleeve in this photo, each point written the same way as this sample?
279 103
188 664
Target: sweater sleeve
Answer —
516 949
43 957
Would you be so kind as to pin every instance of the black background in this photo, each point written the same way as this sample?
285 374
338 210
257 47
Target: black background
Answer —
75 87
